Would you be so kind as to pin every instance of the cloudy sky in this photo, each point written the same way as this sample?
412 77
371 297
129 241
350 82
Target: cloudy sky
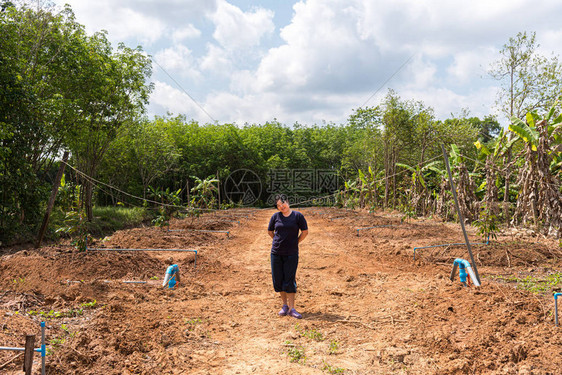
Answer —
314 61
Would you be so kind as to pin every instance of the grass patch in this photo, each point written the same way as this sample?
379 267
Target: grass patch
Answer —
312 333
53 314
334 347
110 219
535 285
107 219
332 369
295 353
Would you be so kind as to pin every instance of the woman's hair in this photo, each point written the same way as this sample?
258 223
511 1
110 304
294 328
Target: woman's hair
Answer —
279 197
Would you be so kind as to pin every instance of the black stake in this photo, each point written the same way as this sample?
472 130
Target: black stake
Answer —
461 218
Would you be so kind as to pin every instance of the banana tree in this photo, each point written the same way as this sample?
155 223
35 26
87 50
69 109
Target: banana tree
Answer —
205 190
368 194
540 197
468 203
419 192
493 152
348 194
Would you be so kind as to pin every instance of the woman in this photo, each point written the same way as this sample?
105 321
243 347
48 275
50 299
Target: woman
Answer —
284 229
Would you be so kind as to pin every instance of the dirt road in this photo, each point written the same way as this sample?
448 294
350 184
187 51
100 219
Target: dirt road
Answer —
368 307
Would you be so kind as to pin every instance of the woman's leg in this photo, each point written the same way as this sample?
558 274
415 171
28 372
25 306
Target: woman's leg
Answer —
289 275
290 297
277 277
283 296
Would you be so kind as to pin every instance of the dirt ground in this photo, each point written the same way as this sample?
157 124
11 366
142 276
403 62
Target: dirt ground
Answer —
368 307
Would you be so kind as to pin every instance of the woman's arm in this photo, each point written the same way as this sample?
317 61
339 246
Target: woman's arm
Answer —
271 233
303 235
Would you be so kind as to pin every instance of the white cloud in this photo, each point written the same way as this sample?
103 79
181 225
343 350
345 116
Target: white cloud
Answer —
178 59
323 51
120 21
146 22
421 72
236 29
329 58
447 102
187 32
176 101
469 65
550 41
217 60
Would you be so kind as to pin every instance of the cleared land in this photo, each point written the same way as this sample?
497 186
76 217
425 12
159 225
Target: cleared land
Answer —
368 307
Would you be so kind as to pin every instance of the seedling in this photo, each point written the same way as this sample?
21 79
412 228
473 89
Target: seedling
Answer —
65 328
193 322
312 334
332 369
89 304
487 224
296 354
334 347
52 314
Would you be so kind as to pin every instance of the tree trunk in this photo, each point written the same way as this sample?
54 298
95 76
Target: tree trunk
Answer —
491 197
51 203
386 175
507 163
88 193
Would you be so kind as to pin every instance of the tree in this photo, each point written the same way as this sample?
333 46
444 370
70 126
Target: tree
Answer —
540 196
529 82
114 92
488 128
144 151
30 140
205 190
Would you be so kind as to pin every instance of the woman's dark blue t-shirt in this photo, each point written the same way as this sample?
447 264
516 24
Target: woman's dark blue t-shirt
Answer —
286 237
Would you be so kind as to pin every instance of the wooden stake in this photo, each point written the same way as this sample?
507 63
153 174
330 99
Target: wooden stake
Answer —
28 356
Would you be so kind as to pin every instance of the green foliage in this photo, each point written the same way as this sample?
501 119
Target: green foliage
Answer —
205 190
89 305
75 226
70 313
527 133
191 323
66 329
408 212
110 219
529 80
334 347
487 224
170 202
536 285
312 333
333 370
64 89
60 89
295 353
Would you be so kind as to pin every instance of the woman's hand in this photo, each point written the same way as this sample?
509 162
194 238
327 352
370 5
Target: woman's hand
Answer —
303 235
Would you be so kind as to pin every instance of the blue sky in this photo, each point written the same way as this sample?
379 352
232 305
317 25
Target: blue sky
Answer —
315 61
